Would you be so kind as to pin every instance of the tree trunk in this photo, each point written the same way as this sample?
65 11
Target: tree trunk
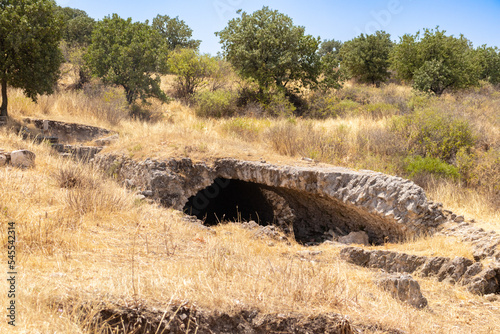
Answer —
129 94
3 108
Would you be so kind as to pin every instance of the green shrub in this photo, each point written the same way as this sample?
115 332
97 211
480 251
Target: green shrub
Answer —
322 105
278 105
416 165
220 103
431 133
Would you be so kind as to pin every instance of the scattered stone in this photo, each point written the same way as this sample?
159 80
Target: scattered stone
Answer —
85 153
360 238
307 253
129 184
68 132
492 297
454 271
107 140
404 288
147 193
139 197
22 158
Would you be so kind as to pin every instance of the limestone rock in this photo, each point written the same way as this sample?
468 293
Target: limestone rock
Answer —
107 140
360 238
313 199
473 276
22 158
404 288
68 132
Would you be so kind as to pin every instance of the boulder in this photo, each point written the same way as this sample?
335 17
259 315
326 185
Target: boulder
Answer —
404 288
360 238
22 158
106 141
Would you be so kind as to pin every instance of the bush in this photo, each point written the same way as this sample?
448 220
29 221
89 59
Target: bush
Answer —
278 105
191 69
434 134
322 105
416 165
220 103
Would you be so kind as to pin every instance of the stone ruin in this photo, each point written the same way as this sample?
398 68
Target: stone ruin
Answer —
310 201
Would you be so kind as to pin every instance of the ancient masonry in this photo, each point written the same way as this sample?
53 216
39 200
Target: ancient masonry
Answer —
313 200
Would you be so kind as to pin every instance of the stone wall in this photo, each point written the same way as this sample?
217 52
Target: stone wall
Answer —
68 132
320 199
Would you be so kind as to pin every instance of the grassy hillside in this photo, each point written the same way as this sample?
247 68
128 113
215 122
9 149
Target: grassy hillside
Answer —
91 241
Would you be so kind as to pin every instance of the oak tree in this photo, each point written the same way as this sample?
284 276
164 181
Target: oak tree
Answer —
30 58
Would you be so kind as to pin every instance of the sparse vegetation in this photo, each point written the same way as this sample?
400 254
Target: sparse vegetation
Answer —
85 241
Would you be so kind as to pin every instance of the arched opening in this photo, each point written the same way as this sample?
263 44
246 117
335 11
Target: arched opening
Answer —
312 218
230 200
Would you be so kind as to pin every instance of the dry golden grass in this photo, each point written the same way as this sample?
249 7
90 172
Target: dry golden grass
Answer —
83 237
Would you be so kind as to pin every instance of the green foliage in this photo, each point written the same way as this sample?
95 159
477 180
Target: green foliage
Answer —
221 103
367 57
278 105
78 26
326 105
176 32
267 47
191 69
434 134
332 47
415 165
332 75
30 32
488 59
127 54
435 62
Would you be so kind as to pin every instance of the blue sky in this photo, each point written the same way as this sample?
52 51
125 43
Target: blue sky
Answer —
478 20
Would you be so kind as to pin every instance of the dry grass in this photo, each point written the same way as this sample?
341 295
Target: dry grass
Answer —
83 237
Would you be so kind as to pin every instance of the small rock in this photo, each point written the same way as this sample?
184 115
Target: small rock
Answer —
129 184
492 297
359 237
404 288
22 158
106 141
140 197
307 159
147 193
3 160
309 253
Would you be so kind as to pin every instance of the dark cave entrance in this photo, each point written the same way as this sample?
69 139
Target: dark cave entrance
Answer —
312 218
230 200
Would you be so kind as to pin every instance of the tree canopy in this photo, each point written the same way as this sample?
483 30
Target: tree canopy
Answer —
191 69
366 57
30 32
488 59
78 26
128 54
435 62
269 48
176 32
331 46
